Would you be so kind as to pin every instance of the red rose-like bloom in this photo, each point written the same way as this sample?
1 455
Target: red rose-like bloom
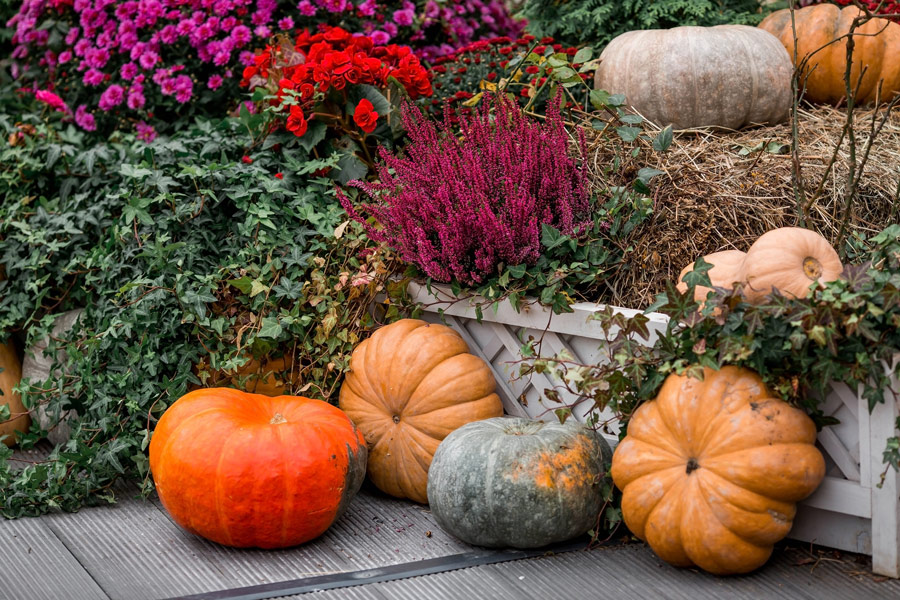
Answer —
532 69
279 175
364 116
246 159
296 122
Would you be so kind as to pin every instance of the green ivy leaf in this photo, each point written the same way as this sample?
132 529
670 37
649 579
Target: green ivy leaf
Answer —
583 55
269 328
663 140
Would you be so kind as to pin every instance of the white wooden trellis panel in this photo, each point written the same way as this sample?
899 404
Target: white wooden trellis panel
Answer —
849 511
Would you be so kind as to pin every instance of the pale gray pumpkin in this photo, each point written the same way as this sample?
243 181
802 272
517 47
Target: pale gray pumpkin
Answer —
511 482
728 76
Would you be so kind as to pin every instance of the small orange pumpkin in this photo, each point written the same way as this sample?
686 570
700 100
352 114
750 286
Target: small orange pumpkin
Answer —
409 386
259 376
876 46
249 470
711 470
789 259
726 269
19 420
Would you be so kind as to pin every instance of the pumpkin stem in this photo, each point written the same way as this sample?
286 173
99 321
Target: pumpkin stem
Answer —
812 268
278 419
692 465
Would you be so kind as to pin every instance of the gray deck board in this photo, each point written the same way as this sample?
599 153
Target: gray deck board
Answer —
379 531
34 564
134 551
128 545
633 572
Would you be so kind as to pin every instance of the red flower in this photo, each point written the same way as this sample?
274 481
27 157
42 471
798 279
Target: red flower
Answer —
296 122
307 91
532 69
279 175
365 116
246 160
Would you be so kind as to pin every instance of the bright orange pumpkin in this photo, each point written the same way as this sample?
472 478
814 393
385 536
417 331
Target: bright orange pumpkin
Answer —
409 386
249 470
789 259
726 269
711 470
19 420
876 47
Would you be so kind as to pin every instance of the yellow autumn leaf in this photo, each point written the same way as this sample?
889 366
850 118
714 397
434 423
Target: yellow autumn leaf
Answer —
474 100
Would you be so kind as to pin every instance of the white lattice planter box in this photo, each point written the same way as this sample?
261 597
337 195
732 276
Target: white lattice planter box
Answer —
849 511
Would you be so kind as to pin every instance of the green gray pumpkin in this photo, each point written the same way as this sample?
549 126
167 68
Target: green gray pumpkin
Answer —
510 482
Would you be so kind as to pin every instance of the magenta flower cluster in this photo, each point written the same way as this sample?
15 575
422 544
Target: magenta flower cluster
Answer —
458 205
114 54
126 56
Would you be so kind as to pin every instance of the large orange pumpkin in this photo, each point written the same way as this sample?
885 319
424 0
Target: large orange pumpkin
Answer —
789 259
876 47
10 375
409 386
711 470
249 470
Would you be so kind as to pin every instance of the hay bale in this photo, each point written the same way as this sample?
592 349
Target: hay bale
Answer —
721 191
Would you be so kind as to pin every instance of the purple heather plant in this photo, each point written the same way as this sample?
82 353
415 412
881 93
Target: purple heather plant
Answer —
457 207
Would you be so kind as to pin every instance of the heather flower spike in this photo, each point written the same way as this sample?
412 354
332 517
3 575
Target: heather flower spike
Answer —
457 207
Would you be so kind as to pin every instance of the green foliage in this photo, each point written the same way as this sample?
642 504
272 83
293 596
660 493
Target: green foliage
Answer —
190 257
848 331
596 22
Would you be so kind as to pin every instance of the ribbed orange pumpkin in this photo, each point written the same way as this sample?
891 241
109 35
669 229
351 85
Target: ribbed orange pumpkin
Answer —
248 470
711 470
876 47
19 419
409 386
789 259
726 269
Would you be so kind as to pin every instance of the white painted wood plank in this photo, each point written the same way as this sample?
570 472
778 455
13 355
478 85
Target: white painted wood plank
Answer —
839 454
538 381
885 499
533 316
840 495
832 529
865 446
850 400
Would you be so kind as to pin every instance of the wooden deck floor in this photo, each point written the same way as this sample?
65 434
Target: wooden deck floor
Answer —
134 551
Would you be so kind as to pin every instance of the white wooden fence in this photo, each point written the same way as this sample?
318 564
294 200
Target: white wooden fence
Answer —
849 511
